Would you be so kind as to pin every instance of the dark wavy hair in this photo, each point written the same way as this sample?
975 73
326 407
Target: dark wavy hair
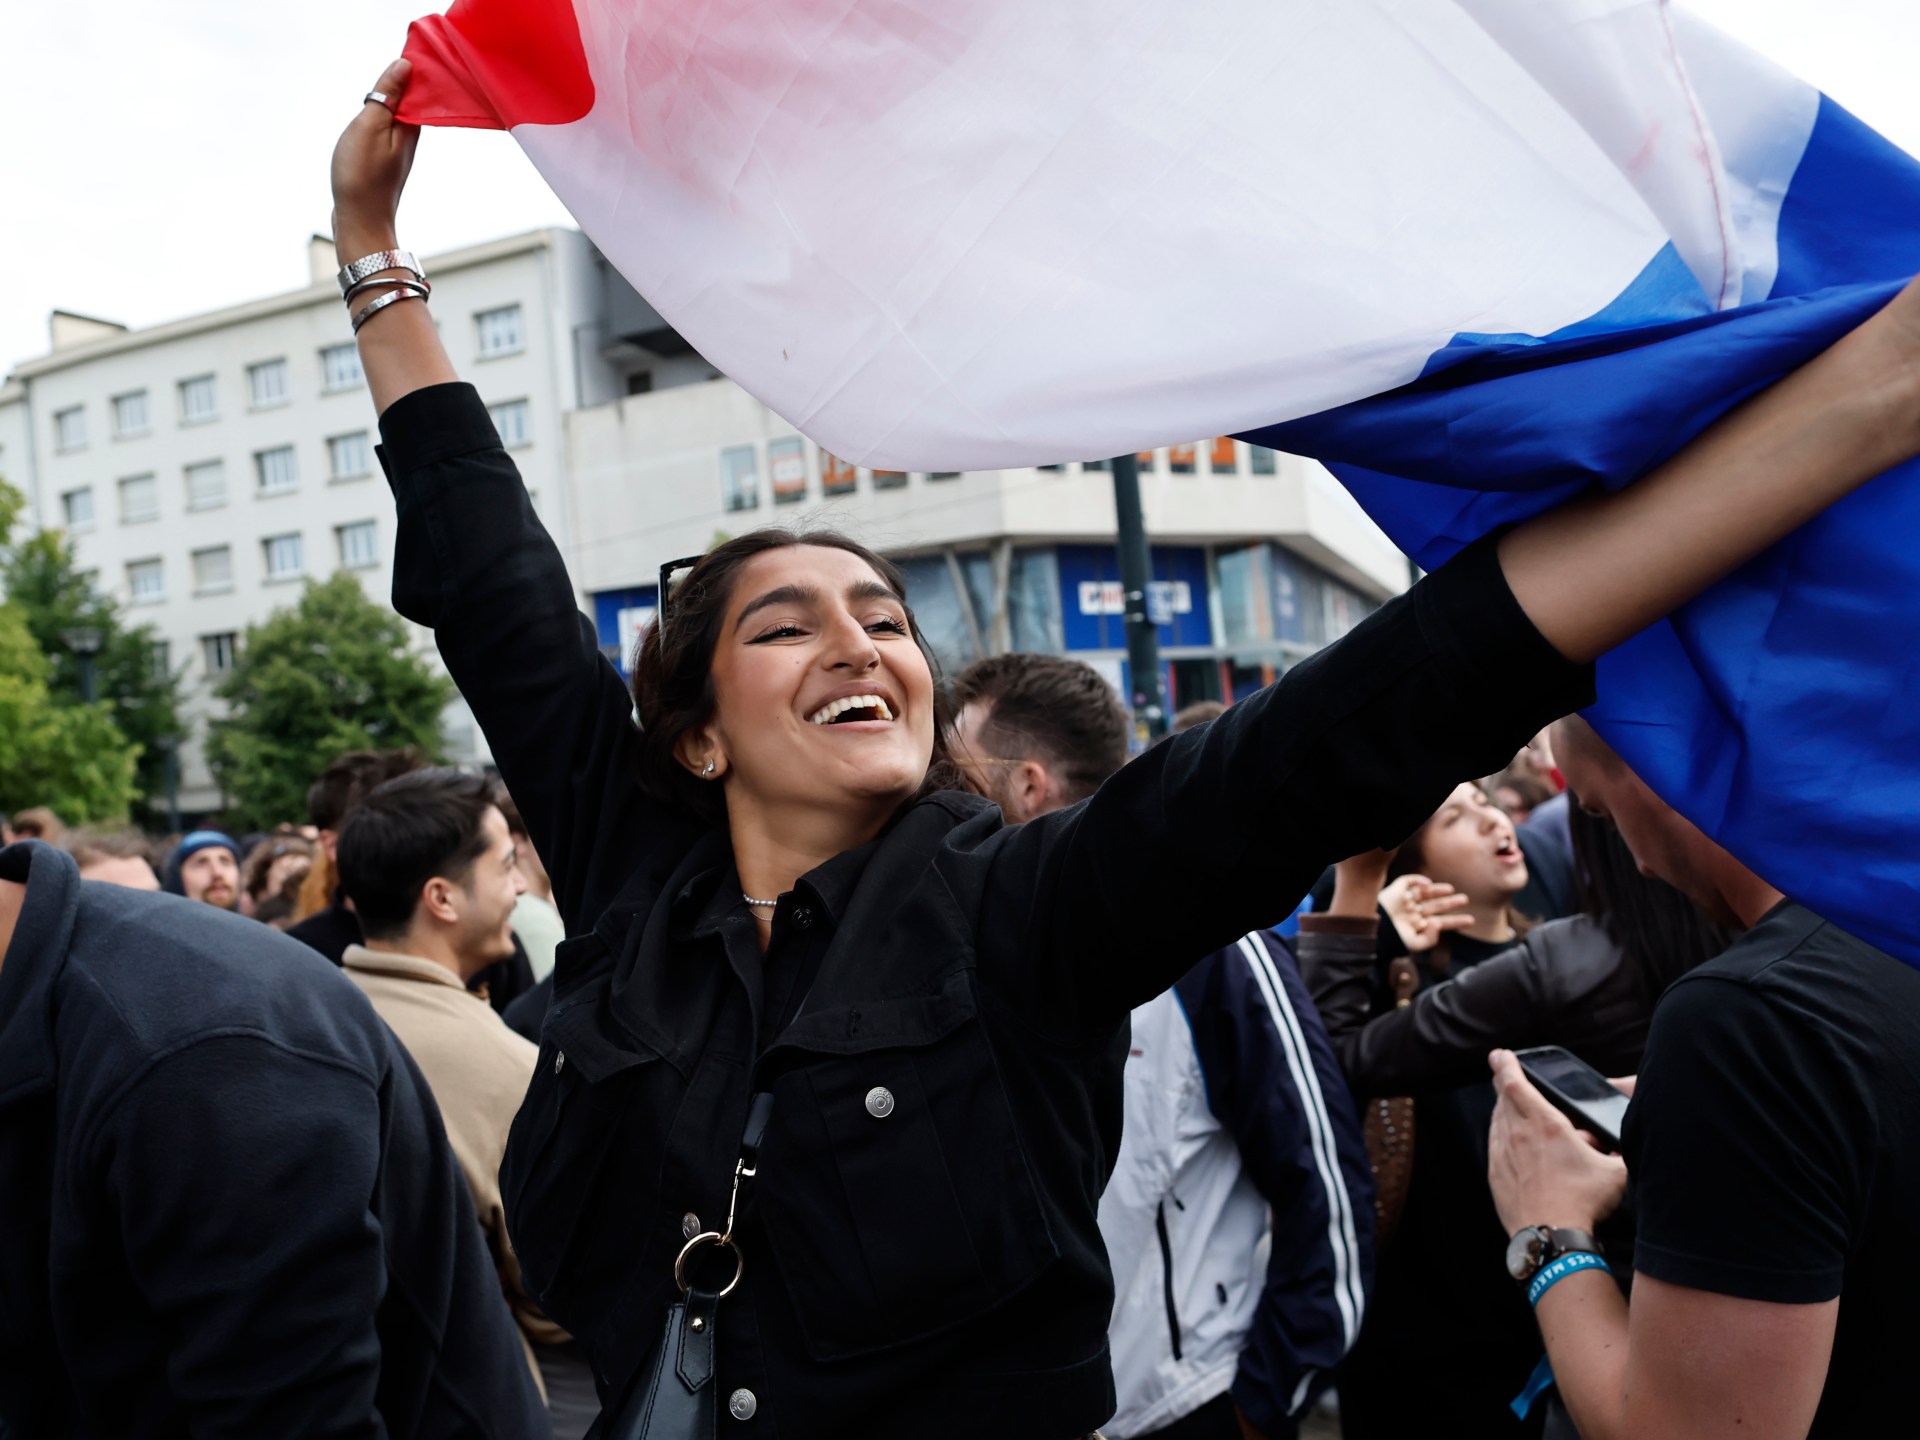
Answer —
673 667
1661 932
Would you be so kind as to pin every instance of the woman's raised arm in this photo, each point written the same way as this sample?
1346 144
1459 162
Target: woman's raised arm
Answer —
1601 569
1222 829
473 563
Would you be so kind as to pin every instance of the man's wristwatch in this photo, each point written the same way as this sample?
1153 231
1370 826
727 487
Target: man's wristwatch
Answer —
1531 1250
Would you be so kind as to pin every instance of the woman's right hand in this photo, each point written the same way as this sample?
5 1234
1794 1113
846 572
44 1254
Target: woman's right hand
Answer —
370 165
1423 910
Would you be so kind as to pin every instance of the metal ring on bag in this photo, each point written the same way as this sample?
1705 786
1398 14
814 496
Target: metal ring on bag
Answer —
708 1237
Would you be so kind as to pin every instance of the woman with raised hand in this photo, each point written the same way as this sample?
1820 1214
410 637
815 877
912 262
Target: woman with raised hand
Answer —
831 1082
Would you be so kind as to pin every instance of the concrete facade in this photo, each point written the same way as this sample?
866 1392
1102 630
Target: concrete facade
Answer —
996 559
219 462
208 468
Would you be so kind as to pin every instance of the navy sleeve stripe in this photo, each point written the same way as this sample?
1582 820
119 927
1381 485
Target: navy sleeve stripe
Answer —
1349 1284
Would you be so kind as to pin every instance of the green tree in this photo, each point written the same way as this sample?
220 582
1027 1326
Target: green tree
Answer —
55 599
71 757
330 674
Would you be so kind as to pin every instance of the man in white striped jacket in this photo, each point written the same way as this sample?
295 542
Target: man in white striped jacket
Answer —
1239 1219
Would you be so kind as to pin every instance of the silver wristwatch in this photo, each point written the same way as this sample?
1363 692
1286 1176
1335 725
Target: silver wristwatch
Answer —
1537 1246
352 274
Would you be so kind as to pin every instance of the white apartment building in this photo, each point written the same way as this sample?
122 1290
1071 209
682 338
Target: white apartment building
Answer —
1259 558
208 468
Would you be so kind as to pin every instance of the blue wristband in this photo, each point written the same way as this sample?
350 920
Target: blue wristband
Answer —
1558 1270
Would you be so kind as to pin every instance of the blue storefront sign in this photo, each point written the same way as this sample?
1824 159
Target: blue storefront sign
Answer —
1093 602
619 617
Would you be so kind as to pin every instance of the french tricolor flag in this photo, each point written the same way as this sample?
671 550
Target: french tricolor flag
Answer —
1475 254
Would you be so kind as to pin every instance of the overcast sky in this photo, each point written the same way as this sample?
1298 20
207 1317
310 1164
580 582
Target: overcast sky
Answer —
160 159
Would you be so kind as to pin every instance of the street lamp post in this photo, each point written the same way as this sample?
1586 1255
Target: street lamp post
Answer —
1147 693
84 641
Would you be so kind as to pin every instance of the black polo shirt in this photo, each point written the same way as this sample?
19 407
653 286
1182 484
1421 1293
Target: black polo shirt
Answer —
1774 1147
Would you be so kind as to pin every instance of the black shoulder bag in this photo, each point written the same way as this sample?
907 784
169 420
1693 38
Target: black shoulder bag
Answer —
672 1395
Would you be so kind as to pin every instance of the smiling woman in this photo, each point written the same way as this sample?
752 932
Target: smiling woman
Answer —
731 632
831 1079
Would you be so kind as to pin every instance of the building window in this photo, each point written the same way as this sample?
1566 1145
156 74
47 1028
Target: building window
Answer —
206 485
217 651
139 499
160 660
1145 457
1101 465
1221 460
145 581
340 367
640 382
70 428
836 475
267 383
1180 459
739 479
1261 460
787 469
213 570
889 479
510 419
78 505
943 475
498 331
130 414
284 558
275 470
198 402
357 545
349 456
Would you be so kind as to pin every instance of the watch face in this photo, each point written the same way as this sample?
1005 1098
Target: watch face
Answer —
1523 1253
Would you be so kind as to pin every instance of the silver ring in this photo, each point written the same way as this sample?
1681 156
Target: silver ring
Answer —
380 98
708 1237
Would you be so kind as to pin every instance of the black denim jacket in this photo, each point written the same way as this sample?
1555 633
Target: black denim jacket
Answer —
935 1268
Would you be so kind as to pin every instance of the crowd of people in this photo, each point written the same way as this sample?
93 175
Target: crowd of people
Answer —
1300 1203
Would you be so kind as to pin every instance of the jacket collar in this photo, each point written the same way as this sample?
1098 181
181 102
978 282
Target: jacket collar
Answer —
33 964
403 967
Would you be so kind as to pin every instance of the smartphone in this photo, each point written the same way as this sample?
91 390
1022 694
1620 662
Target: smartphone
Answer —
1578 1091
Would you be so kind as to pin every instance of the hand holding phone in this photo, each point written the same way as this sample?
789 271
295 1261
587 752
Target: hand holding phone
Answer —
1578 1091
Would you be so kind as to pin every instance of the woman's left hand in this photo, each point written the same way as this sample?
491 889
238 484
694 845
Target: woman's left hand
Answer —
1541 1169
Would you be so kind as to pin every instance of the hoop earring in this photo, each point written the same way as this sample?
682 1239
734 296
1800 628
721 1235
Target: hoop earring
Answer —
707 774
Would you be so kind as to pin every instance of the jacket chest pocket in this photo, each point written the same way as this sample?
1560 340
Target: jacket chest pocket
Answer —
896 1194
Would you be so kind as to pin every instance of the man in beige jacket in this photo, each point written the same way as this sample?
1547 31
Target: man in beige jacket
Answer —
430 867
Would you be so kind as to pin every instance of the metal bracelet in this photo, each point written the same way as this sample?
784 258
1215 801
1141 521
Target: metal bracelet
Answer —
373 282
352 274
391 297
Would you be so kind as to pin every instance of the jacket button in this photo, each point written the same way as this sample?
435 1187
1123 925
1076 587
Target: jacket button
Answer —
879 1102
742 1404
559 1061
689 1225
802 917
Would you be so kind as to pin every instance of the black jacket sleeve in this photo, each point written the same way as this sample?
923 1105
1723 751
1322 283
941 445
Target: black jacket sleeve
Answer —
1221 830
1561 985
473 562
272 1306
